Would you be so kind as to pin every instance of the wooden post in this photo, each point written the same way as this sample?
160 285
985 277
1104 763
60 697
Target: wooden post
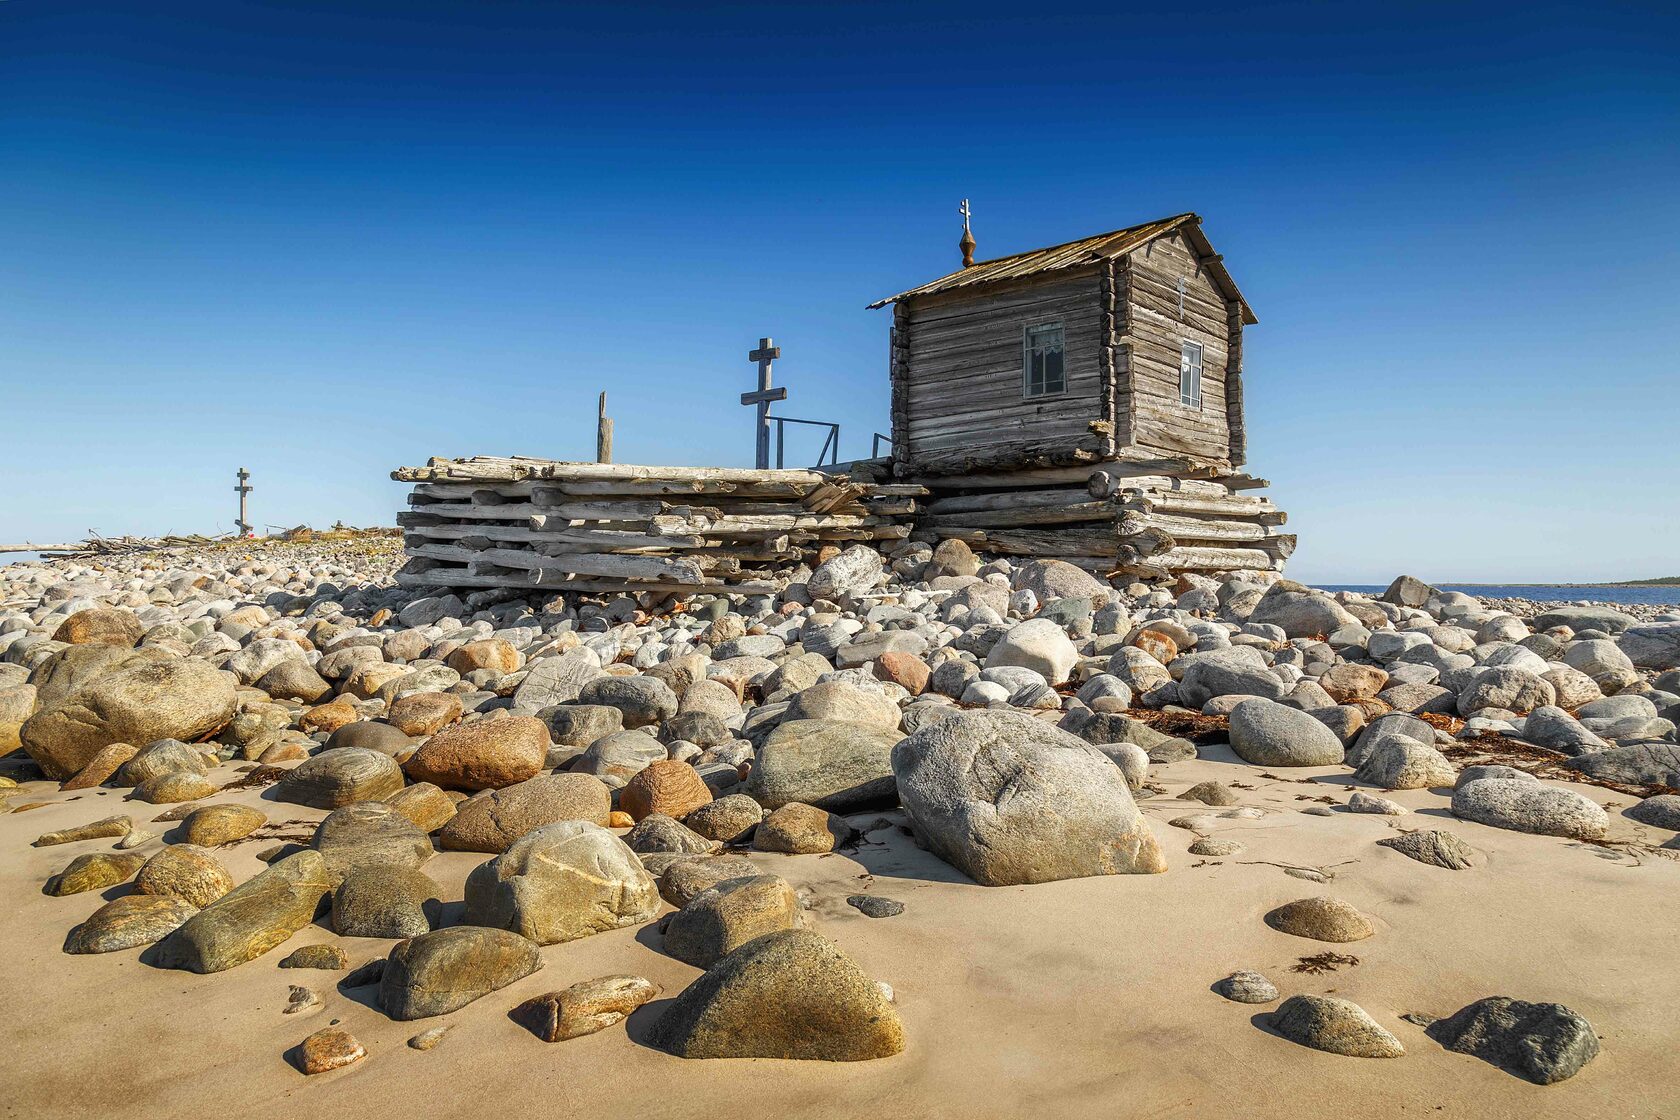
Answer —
603 432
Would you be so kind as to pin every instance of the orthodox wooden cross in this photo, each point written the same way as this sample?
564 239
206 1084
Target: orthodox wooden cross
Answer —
243 489
764 355
967 242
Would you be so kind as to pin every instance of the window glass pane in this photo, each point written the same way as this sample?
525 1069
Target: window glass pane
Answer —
1053 379
1045 373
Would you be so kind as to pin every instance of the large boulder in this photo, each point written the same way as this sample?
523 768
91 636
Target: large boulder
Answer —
252 918
642 701
721 919
1654 645
1543 1042
1401 764
183 699
1334 1026
445 970
1010 799
341 776
1514 690
370 834
561 882
1057 579
1237 671
492 821
832 764
668 787
106 626
557 680
484 754
1606 620
127 922
1526 806
1300 611
385 900
790 994
844 702
1267 733
620 756
1038 644
187 872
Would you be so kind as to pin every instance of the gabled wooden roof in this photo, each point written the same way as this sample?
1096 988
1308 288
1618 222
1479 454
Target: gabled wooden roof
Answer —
1085 251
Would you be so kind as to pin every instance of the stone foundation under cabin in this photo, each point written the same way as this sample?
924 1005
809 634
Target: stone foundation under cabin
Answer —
539 524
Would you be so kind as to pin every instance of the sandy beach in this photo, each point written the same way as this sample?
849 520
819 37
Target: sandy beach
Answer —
1090 997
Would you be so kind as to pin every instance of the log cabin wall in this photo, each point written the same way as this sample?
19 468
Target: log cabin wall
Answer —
959 398
1147 360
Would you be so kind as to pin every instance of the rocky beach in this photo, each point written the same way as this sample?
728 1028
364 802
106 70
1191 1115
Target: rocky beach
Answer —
977 837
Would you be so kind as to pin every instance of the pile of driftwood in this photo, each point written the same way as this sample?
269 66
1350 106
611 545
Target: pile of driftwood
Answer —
1148 518
605 527
97 545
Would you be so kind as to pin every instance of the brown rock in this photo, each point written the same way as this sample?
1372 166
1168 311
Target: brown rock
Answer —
17 704
687 876
721 919
211 826
1322 919
167 789
425 804
1348 683
329 717
329 1049
94 872
1157 645
492 821
105 626
424 713
618 818
186 872
127 922
185 698
328 958
903 669
585 1007
98 830
798 829
489 653
669 787
485 754
728 819
99 769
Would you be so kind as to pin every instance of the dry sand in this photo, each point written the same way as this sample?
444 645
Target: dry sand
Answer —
1081 998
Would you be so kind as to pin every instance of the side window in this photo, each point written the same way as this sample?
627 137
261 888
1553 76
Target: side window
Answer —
1190 375
1043 362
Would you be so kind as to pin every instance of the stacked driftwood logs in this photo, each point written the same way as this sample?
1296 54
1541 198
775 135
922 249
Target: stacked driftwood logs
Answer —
604 527
1148 518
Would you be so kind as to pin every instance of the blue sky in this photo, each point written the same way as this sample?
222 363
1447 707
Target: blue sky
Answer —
324 240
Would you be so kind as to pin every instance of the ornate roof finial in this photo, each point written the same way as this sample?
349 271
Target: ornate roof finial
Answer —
967 242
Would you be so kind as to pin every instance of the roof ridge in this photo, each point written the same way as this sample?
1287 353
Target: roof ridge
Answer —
997 268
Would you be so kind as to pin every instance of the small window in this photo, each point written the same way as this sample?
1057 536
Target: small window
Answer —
1190 375
1043 366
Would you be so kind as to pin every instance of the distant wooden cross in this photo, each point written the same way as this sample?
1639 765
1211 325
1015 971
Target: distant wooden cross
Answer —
243 489
764 355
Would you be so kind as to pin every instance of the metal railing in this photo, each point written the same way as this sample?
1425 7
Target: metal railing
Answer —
875 445
829 452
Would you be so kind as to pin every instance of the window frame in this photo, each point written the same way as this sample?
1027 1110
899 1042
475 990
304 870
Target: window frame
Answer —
1027 331
1185 368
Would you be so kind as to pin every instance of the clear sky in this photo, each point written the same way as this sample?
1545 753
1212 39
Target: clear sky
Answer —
321 240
